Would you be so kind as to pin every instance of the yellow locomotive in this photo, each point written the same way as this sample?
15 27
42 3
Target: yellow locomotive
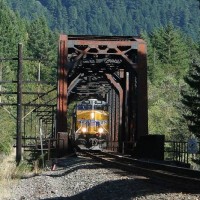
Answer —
91 124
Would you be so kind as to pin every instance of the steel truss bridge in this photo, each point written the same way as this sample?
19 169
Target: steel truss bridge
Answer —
113 69
109 68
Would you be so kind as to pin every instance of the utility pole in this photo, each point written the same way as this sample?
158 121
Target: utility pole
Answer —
19 106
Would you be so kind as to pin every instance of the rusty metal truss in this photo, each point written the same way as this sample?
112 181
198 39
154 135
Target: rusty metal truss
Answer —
110 68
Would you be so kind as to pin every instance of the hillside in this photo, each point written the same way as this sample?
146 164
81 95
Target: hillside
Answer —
112 17
168 27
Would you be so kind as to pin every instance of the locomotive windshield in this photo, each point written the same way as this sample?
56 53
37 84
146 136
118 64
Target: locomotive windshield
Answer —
92 104
84 107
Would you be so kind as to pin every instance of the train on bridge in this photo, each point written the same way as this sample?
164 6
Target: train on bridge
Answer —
91 124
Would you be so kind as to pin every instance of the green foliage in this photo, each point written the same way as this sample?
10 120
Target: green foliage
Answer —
21 170
12 31
39 43
168 61
168 51
31 9
42 45
112 17
7 131
191 95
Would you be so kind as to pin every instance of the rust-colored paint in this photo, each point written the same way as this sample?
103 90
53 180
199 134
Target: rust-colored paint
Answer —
132 77
114 115
142 102
126 108
119 89
61 124
117 118
132 108
96 43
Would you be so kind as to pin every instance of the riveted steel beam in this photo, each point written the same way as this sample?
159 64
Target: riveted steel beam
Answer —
63 69
126 107
142 102
120 92
110 63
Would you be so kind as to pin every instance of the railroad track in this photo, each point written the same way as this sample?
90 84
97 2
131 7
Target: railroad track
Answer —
186 180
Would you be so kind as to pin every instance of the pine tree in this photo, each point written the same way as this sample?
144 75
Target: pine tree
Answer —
172 50
166 70
191 96
39 39
153 62
42 45
12 31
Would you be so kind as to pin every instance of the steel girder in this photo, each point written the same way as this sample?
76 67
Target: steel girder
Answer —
63 70
92 66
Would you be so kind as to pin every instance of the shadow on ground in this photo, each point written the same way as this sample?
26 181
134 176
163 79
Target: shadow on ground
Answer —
125 189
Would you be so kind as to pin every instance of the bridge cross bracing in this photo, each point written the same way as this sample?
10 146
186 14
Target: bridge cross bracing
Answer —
109 68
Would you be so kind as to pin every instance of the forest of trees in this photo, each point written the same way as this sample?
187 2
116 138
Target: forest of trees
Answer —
112 17
191 94
40 45
170 55
173 51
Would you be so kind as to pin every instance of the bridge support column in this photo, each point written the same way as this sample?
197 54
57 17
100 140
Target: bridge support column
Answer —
142 105
126 107
117 111
119 92
61 117
132 107
61 120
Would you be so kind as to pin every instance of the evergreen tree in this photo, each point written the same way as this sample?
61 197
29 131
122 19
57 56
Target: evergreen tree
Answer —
191 96
12 31
40 39
171 49
166 70
129 17
29 9
42 43
153 62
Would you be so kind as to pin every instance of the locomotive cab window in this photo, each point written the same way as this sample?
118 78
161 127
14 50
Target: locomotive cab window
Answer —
84 107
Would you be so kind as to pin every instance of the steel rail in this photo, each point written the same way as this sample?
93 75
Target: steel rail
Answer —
181 178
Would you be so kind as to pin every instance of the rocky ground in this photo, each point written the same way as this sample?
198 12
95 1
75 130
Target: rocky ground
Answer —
77 178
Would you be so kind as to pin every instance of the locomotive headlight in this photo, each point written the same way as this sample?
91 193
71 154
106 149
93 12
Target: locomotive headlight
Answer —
92 115
100 130
83 129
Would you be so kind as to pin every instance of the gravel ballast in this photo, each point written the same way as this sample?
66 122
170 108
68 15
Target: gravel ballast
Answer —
78 178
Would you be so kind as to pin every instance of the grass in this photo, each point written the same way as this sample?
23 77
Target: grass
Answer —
7 167
10 173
